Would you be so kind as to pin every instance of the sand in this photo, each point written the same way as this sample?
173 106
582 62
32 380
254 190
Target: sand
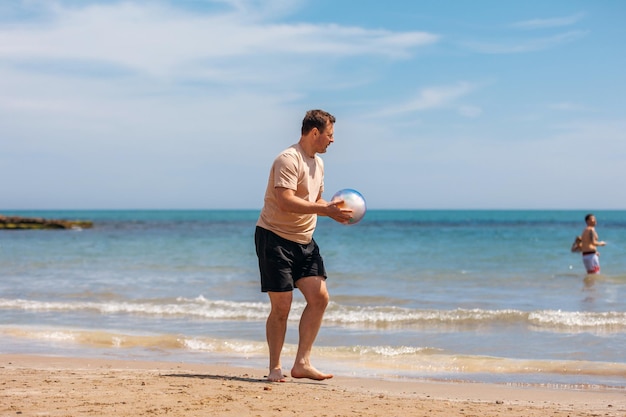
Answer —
60 386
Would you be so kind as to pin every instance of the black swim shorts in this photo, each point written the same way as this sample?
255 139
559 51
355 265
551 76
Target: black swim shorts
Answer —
283 262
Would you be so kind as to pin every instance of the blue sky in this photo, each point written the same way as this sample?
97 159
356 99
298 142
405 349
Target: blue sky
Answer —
439 105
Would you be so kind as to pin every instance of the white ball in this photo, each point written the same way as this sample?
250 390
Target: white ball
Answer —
353 200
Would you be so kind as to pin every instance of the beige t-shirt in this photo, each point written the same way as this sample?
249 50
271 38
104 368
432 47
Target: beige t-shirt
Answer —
294 170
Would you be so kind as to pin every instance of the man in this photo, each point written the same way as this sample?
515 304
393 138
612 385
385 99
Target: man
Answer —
288 256
589 246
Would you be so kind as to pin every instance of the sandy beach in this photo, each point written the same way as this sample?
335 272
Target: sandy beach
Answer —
61 386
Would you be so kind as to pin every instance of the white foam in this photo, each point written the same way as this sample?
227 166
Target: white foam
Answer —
378 316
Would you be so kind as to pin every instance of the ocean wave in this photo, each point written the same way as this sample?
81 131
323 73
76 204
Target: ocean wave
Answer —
575 319
383 316
109 339
342 315
179 307
391 360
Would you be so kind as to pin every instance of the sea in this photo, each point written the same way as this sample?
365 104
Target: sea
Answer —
490 296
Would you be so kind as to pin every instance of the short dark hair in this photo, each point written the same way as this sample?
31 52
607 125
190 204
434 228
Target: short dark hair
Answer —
316 119
588 216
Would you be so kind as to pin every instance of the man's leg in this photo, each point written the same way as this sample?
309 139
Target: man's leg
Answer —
275 330
316 296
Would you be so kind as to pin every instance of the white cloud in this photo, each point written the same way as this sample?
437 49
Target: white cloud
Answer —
160 41
147 60
550 22
515 46
137 104
431 98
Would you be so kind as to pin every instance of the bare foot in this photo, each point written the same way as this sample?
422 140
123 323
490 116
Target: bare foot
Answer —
307 371
276 375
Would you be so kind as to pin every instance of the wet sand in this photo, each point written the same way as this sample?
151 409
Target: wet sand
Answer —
61 386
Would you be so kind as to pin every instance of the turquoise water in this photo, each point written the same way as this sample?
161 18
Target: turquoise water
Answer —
490 296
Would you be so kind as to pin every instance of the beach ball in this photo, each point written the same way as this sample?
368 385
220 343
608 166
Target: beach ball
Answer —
353 200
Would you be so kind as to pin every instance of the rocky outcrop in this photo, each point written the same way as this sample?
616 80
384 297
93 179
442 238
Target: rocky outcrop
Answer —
21 223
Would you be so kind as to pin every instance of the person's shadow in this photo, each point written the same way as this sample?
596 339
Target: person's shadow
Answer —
219 377
244 379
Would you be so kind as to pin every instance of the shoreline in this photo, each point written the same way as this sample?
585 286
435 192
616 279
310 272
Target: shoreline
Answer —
79 386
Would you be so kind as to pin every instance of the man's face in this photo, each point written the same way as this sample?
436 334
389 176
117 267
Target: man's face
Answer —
324 139
592 221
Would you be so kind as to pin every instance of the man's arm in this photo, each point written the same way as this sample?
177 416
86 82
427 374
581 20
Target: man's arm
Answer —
288 201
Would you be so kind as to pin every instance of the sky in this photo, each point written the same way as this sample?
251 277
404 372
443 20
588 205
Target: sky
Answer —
184 104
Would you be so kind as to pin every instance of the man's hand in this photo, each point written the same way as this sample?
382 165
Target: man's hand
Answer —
338 213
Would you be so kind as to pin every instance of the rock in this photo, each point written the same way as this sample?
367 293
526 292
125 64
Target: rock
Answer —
22 223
